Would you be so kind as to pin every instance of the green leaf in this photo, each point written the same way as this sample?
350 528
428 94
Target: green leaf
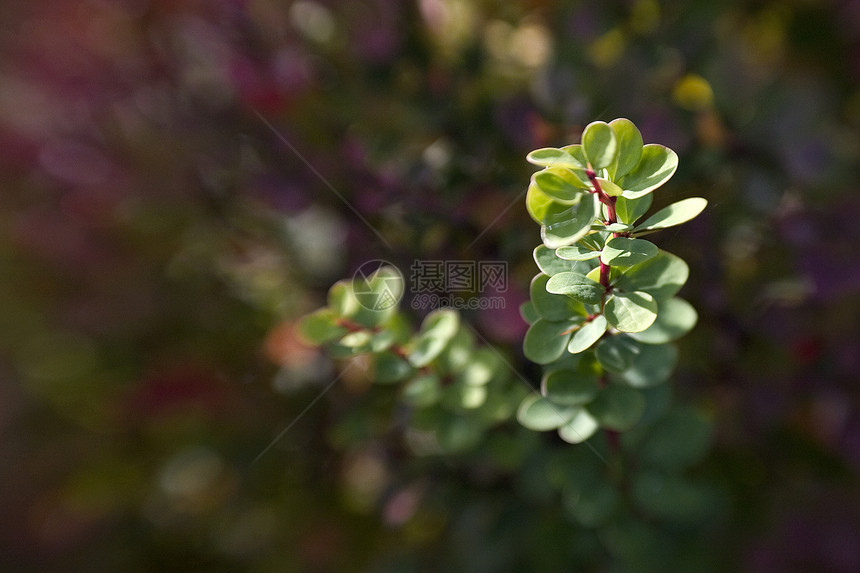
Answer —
631 311
576 286
611 228
358 341
652 366
673 498
341 299
674 214
576 253
481 369
629 210
609 187
436 331
629 147
540 205
389 368
459 433
569 387
676 318
578 154
528 312
616 353
593 506
545 341
320 327
552 306
458 353
539 414
422 391
661 276
459 397
560 184
656 166
550 264
587 334
617 407
382 340
570 225
626 252
552 157
599 144
677 441
581 427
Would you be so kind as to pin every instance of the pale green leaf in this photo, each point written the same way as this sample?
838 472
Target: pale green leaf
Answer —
599 144
629 210
629 147
631 311
581 427
589 333
626 252
674 214
539 414
560 184
656 166
576 286
552 157
570 225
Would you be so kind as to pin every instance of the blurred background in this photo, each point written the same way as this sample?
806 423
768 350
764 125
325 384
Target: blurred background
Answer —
180 182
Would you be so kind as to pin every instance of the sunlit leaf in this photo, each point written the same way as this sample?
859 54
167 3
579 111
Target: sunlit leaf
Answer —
629 147
674 214
599 144
656 166
626 252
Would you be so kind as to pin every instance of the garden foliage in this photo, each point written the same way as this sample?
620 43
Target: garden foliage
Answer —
603 318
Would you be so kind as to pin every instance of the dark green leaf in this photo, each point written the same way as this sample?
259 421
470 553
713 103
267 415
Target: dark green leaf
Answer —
616 353
569 387
320 327
675 318
528 312
652 366
550 306
661 276
422 391
545 341
389 367
617 407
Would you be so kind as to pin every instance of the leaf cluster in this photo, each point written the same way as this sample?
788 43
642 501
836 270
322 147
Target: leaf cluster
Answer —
603 312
